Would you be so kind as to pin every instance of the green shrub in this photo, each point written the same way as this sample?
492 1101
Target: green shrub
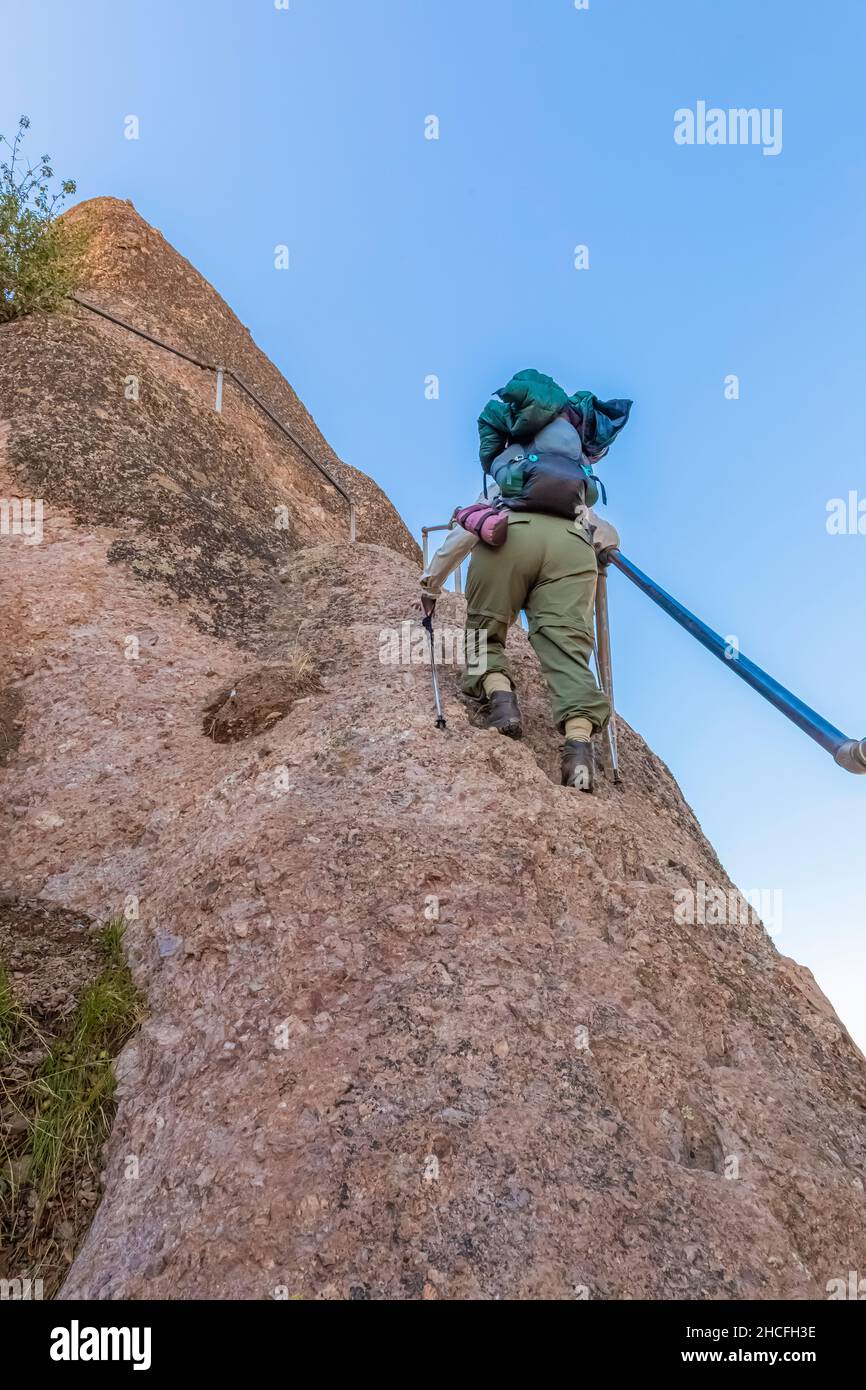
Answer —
57 1086
38 254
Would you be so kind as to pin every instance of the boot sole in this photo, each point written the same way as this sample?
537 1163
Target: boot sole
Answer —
511 730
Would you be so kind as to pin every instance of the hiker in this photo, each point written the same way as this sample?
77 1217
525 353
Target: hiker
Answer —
536 545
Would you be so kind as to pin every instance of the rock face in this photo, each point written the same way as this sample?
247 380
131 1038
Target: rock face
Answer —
125 434
423 1024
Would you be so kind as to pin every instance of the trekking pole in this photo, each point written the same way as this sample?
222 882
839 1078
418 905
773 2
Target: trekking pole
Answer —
604 664
427 624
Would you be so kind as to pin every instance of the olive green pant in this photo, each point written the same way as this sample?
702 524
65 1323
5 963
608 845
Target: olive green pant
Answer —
547 567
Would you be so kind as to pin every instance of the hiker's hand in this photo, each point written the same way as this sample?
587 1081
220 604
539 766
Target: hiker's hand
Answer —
428 604
605 538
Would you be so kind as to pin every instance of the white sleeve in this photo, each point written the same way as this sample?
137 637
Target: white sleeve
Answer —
453 551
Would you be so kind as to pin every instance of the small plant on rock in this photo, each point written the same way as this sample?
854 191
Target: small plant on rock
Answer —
38 254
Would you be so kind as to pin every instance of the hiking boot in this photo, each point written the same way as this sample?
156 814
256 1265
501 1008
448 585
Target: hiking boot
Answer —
503 713
578 765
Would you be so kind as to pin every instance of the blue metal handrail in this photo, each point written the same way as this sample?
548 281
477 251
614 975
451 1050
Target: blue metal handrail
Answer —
849 753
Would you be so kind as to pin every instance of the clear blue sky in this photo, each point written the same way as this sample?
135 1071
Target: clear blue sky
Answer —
410 256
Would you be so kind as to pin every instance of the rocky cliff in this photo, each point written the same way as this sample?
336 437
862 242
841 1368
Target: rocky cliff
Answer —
421 1023
124 434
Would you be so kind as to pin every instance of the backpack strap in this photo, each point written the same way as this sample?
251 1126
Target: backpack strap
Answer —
586 468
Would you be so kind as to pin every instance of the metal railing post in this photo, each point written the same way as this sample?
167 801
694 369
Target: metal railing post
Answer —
218 403
604 663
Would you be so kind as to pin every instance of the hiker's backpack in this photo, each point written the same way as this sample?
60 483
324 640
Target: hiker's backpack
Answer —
540 444
550 474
